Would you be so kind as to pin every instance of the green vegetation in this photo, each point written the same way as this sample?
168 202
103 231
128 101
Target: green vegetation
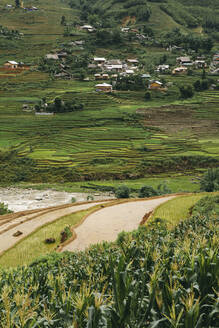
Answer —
210 180
176 209
4 209
173 275
33 246
130 133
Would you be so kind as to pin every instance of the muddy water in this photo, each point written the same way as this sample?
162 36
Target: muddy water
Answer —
27 199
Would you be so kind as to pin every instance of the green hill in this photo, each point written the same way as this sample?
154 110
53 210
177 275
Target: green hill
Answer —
108 139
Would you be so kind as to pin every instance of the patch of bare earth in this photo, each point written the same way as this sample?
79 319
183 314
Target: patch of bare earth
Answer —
108 222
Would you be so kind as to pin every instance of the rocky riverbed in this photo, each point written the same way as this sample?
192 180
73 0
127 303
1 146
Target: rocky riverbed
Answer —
27 199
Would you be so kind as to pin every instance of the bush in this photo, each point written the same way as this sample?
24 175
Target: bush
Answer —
122 192
147 191
147 95
210 180
4 209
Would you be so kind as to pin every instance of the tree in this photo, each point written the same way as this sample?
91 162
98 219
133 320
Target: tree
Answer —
147 191
17 3
210 180
4 209
197 85
63 20
186 92
147 95
122 192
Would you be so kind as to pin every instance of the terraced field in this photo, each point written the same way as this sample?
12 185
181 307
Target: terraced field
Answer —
113 133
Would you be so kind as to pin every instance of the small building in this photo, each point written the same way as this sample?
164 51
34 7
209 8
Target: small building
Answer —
52 56
104 87
162 68
97 76
145 76
87 28
99 60
114 62
179 70
184 61
129 71
62 54
11 64
114 68
200 63
105 76
125 29
92 66
155 85
132 61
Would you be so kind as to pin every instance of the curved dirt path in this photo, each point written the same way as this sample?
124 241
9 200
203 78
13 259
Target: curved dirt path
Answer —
33 222
107 223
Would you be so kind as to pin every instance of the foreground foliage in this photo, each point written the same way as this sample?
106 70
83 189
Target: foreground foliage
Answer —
149 278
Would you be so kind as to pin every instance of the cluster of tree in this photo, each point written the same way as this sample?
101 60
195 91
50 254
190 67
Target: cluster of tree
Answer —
210 180
201 85
9 34
105 38
187 41
124 191
133 82
73 64
59 106
186 91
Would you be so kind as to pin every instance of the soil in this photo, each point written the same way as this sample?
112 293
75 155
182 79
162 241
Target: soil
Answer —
34 222
107 223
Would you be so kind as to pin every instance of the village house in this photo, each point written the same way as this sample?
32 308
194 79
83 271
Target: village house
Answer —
155 85
99 60
132 61
97 76
104 87
215 61
184 61
125 29
52 56
200 63
92 66
128 72
179 70
87 28
113 62
162 68
105 76
11 64
145 76
114 68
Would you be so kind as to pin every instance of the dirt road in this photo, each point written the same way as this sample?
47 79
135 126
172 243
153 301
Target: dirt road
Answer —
33 222
108 222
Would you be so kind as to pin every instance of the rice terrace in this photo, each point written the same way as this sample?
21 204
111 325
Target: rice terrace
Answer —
109 153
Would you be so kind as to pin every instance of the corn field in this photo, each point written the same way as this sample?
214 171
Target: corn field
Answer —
150 278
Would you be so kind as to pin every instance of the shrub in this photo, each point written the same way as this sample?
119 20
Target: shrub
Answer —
147 191
210 180
4 209
147 95
122 192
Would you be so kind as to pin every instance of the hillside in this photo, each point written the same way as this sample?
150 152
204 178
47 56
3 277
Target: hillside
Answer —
122 134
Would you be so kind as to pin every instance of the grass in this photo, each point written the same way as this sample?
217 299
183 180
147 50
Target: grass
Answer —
176 209
33 246
176 183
